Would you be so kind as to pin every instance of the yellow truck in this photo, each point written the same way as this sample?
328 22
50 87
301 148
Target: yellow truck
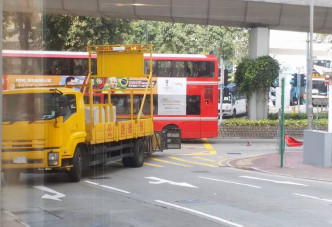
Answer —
58 128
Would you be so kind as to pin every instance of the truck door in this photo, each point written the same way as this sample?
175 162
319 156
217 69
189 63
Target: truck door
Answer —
71 122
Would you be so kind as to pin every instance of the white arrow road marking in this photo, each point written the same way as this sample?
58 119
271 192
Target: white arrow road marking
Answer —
313 197
275 181
56 195
162 181
231 182
200 213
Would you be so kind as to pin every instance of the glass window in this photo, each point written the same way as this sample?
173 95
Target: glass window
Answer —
80 67
202 69
178 69
154 68
208 94
22 66
164 68
57 66
193 105
33 107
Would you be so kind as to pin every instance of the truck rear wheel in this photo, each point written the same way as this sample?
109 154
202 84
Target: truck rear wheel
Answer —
11 176
139 151
75 173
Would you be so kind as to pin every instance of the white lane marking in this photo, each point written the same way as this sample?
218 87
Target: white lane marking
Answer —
313 197
231 182
275 181
90 182
56 196
115 189
200 213
105 186
16 218
163 181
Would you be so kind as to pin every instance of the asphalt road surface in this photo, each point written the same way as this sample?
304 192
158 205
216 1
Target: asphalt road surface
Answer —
188 187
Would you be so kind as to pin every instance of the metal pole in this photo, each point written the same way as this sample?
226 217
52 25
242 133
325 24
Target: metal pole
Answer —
147 31
1 103
308 71
329 108
221 82
298 91
282 136
309 76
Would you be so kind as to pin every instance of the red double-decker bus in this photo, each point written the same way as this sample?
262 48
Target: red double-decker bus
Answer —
187 94
185 86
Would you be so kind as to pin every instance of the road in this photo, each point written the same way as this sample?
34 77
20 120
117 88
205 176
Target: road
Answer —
188 187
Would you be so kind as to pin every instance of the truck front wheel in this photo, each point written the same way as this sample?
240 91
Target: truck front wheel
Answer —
75 173
139 151
11 176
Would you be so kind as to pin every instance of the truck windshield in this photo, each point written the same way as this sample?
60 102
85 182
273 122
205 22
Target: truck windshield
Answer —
29 107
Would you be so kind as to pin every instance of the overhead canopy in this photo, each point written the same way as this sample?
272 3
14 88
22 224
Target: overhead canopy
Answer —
274 14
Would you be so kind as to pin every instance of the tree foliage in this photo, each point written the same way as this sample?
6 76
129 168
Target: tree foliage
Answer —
256 74
55 31
76 32
61 32
25 25
225 42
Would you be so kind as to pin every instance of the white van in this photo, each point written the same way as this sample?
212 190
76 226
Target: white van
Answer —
233 106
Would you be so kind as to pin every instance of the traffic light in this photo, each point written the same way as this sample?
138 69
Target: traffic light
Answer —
302 80
293 81
225 77
226 92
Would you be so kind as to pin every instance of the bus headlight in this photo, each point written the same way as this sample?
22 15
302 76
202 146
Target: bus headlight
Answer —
53 159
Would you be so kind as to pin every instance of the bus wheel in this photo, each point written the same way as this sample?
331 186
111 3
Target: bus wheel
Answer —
11 176
139 151
75 173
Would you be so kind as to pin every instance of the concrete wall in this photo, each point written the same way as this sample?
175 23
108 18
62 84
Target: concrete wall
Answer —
317 148
263 132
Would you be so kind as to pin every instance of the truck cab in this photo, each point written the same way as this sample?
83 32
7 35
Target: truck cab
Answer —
40 128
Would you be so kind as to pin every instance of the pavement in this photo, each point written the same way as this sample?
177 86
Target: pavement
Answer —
268 162
9 220
293 166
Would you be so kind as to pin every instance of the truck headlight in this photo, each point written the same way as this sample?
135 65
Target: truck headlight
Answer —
53 159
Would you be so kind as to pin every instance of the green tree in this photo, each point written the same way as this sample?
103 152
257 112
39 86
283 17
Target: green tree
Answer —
254 78
228 43
25 25
256 74
76 32
244 82
55 31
